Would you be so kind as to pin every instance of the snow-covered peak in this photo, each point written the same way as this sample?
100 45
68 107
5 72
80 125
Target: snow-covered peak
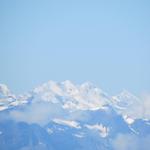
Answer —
6 97
69 88
9 100
68 84
4 90
125 96
125 99
71 96
50 86
128 104
87 86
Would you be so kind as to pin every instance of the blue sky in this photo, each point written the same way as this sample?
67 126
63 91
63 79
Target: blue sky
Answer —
106 42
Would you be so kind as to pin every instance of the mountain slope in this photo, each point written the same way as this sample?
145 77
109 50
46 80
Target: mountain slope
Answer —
64 116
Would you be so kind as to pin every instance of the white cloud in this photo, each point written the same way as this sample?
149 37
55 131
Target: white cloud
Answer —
128 141
41 113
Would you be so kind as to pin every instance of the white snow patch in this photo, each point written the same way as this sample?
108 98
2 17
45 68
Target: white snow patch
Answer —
61 129
79 135
99 127
49 130
133 130
128 120
3 108
70 123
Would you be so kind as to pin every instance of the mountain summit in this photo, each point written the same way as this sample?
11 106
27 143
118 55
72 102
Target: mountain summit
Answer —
64 116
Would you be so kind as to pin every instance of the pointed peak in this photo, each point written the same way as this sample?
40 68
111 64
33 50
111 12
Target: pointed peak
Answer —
88 85
51 82
67 82
127 94
4 89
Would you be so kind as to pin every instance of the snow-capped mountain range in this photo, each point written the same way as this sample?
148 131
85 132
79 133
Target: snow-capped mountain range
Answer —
64 116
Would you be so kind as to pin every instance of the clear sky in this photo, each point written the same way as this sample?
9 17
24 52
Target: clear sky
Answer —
104 41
